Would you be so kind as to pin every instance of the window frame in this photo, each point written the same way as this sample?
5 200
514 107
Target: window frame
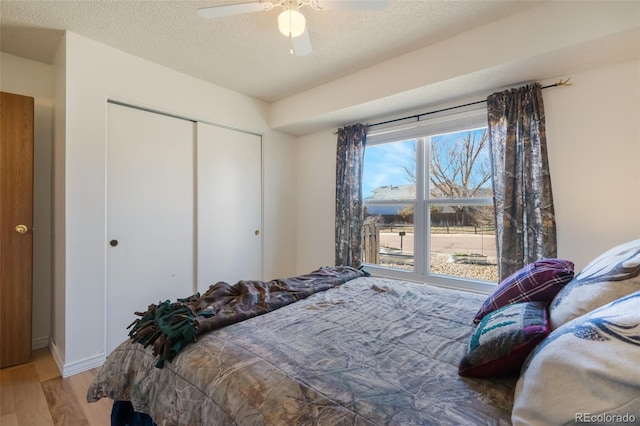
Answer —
421 130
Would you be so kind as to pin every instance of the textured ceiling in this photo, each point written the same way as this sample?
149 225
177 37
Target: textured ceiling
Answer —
244 53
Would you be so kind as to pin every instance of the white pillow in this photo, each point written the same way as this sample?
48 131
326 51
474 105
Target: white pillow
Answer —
610 276
586 371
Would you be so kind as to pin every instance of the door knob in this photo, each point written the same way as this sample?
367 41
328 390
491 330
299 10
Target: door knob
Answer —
22 229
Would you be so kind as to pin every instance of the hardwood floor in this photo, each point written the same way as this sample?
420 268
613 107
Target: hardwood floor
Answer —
36 394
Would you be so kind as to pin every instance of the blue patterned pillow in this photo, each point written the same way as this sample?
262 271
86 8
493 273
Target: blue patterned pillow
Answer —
586 371
504 338
611 275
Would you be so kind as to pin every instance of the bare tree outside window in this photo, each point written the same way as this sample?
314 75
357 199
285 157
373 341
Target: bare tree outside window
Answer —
460 168
460 165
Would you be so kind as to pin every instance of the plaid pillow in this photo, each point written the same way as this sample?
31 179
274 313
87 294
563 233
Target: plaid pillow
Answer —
504 338
538 281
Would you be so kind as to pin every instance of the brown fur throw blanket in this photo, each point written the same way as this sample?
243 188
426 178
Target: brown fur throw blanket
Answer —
169 327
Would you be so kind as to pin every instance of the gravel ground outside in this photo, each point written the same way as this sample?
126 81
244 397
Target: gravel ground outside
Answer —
441 264
442 247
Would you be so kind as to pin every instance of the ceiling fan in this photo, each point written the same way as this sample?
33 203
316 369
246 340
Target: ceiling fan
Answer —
291 22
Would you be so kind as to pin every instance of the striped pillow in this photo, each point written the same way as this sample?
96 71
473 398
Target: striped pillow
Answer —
538 281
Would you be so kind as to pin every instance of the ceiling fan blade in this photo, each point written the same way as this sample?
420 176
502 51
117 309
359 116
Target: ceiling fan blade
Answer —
301 44
234 9
351 4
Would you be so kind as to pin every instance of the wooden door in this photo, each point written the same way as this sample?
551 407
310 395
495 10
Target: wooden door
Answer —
16 218
229 219
150 214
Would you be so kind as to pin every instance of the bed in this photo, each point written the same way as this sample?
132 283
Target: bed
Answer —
544 348
371 351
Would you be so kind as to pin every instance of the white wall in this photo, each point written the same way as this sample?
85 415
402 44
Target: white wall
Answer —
280 177
316 192
58 305
95 73
34 79
593 139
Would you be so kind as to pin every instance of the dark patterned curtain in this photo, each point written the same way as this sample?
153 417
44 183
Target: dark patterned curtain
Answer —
525 220
349 161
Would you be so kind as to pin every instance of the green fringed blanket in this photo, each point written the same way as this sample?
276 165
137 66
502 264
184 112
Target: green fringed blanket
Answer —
169 327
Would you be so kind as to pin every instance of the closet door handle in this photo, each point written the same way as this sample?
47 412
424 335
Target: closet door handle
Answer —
22 229
113 243
257 232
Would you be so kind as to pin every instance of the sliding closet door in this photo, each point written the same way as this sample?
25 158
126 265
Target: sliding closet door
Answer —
150 214
229 220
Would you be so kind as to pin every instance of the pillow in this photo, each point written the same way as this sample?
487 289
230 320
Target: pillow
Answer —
586 371
538 281
504 338
610 276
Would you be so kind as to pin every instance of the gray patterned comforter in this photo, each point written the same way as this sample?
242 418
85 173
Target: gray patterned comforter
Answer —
373 351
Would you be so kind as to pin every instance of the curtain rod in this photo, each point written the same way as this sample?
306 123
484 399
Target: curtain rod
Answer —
417 116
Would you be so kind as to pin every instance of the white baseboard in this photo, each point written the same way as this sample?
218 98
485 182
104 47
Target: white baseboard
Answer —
75 367
39 343
57 356
83 365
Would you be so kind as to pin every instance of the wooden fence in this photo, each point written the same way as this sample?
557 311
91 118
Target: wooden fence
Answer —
371 242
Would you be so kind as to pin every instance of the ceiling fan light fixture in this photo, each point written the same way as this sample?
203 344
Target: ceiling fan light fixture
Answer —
291 23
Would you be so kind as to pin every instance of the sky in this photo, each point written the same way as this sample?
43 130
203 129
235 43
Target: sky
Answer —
383 165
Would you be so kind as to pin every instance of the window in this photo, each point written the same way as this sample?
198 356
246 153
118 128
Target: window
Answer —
428 202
